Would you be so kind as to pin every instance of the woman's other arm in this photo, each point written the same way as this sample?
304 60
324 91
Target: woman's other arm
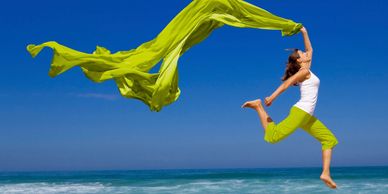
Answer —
300 75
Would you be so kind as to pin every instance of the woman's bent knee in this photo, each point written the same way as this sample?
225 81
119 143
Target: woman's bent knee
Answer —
270 132
329 144
272 140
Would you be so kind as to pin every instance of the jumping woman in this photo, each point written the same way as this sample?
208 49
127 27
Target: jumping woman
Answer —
301 114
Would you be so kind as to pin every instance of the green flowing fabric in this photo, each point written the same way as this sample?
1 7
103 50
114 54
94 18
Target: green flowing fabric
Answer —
130 69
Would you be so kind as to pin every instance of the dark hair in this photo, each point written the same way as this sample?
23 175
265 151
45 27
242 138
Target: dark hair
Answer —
292 65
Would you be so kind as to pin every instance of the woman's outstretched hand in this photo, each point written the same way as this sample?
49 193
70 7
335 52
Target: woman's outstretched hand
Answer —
303 29
268 101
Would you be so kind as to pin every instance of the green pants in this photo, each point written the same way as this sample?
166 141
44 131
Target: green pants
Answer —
298 118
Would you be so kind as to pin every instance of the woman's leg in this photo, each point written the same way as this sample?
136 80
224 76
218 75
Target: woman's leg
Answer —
276 132
320 132
256 105
325 176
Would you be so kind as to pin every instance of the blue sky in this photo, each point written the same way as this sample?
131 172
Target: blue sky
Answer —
71 123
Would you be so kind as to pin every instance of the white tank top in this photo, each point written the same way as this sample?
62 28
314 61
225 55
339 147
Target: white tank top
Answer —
309 94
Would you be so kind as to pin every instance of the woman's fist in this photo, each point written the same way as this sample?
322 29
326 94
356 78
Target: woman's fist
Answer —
303 29
268 101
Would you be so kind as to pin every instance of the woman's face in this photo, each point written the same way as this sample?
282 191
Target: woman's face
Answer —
302 55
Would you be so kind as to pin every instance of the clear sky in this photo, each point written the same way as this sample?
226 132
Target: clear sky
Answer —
71 123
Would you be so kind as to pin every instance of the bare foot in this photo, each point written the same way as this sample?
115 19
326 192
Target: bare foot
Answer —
328 181
255 104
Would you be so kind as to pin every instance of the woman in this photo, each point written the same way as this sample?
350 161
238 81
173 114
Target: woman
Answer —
301 114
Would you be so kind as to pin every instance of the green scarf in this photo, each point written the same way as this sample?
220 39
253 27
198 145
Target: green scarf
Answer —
130 69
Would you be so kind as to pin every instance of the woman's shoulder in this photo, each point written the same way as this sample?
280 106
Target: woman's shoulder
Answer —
305 68
307 73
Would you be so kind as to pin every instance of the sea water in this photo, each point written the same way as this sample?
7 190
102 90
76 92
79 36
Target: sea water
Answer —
263 180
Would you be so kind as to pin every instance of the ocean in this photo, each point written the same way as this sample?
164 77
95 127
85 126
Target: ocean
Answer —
262 180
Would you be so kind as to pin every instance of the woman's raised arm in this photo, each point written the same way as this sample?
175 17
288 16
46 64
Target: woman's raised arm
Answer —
307 43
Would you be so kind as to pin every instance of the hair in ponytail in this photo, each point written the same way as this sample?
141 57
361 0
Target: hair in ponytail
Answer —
292 65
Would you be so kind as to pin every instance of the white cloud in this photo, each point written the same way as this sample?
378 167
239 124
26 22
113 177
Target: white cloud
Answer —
97 95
